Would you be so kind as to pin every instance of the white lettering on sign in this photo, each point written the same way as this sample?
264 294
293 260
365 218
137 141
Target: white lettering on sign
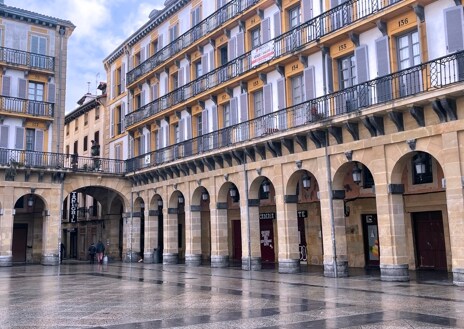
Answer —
267 215
302 214
262 54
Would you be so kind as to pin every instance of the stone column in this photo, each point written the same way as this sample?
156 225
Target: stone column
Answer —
392 233
219 236
132 237
454 203
193 236
151 236
171 238
112 236
6 237
287 232
254 237
50 248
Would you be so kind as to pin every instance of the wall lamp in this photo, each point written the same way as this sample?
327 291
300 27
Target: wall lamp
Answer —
356 174
204 196
306 181
180 199
233 192
266 186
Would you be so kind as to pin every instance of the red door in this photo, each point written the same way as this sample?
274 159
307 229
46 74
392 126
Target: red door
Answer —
19 242
430 240
267 240
236 240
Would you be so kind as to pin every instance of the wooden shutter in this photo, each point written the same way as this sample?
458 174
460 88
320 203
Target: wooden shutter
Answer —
112 122
166 135
188 122
214 114
51 93
362 62
154 91
204 64
204 121
187 73
19 142
160 42
211 61
231 49
240 44
454 31
123 76
329 72
281 103
277 24
6 85
117 152
142 98
148 141
383 57
233 111
267 94
266 29
39 136
113 85
166 85
307 10
309 83
181 130
181 76
243 107
4 131
22 93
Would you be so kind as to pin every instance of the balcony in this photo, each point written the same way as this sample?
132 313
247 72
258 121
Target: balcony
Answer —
15 160
25 106
30 60
211 23
285 44
414 81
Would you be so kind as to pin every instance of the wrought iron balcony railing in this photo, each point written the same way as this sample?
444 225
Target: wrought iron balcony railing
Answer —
15 160
285 44
24 58
209 24
25 106
428 76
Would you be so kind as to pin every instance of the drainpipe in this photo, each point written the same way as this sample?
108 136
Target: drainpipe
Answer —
59 216
247 216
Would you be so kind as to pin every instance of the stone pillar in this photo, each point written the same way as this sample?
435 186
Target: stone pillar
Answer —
392 234
6 237
287 232
454 203
193 236
132 237
50 247
253 238
171 238
151 236
219 236
112 235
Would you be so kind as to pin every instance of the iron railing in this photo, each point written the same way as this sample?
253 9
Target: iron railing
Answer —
25 106
14 160
209 24
24 58
405 83
282 45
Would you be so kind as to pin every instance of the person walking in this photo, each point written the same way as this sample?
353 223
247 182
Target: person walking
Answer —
100 251
62 251
92 251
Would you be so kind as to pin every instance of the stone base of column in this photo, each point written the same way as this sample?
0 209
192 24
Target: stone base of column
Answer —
131 257
289 265
254 261
170 259
192 260
342 269
458 277
50 260
6 261
394 273
219 261
148 257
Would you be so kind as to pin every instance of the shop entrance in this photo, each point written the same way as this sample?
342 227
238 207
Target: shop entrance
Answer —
236 240
267 240
371 241
429 240
19 242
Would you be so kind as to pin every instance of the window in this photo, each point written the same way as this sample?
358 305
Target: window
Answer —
76 124
86 143
96 137
226 114
297 89
154 47
118 120
255 36
137 59
199 125
176 133
293 17
196 18
38 49
118 76
67 150
173 34
347 69
408 49
86 118
258 103
67 129
36 98
30 139
75 147
198 69
97 113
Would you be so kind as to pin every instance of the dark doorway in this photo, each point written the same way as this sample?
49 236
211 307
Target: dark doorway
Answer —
142 231
73 244
429 240
236 240
19 242
371 241
302 239
267 240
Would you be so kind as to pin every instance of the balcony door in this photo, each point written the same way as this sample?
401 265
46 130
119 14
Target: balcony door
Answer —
36 98
346 101
38 51
408 48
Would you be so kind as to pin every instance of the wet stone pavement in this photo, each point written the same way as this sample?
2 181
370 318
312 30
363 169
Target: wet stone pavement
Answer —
121 295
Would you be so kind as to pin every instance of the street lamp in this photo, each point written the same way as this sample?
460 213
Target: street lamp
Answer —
306 181
356 174
180 199
233 192
204 196
419 164
266 186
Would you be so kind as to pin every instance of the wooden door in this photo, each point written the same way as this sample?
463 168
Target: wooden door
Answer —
236 240
429 240
19 242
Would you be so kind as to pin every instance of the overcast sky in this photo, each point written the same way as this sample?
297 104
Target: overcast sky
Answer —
101 26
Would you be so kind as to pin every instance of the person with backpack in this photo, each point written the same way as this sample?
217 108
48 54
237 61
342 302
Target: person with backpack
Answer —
92 251
100 250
